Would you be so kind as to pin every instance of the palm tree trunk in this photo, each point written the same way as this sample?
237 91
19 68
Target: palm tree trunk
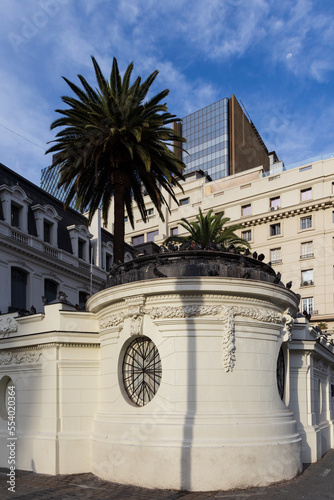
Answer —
119 225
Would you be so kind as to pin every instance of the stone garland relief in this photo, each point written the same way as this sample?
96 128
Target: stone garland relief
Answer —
7 326
226 314
287 325
9 358
320 365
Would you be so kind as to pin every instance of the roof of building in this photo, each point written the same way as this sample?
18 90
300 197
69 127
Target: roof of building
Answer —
38 196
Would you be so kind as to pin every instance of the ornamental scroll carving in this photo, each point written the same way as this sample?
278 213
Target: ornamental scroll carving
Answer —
226 314
7 326
136 314
10 358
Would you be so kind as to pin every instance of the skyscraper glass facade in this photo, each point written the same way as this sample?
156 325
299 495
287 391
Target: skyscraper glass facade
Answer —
49 182
206 132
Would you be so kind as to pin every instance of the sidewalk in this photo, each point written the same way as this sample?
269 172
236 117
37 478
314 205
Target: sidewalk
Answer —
316 483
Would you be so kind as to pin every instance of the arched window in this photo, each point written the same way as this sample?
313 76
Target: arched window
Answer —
50 290
6 389
19 279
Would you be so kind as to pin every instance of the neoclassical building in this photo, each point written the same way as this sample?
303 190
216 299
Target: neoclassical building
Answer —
286 214
45 250
198 379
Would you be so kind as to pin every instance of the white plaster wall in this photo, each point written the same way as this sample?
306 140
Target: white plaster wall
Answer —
56 375
203 418
311 376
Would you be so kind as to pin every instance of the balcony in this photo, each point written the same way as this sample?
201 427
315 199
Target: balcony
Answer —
307 256
307 283
51 251
21 238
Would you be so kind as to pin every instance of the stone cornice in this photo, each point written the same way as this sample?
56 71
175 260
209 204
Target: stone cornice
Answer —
280 214
34 354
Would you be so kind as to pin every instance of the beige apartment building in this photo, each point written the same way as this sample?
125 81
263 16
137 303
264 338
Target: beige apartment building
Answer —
287 215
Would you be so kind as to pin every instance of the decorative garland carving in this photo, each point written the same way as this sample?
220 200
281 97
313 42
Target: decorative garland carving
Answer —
183 311
226 314
287 325
320 365
9 358
228 340
205 296
7 326
110 321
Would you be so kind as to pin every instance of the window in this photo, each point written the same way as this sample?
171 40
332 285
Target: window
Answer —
126 218
275 255
308 167
47 231
275 229
150 211
306 222
15 215
246 235
50 290
306 194
18 288
151 235
306 250
307 277
332 187
246 210
174 231
184 201
137 240
108 261
6 385
275 203
82 300
307 305
81 249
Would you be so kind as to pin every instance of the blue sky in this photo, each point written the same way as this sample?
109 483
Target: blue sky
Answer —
276 57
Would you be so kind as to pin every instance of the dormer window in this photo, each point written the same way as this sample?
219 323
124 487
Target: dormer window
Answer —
80 237
47 231
46 219
15 215
108 261
15 205
81 249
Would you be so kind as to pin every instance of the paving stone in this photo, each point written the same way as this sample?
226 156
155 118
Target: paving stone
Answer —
316 483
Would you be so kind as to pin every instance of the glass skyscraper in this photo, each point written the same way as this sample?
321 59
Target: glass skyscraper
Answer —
222 140
206 132
49 182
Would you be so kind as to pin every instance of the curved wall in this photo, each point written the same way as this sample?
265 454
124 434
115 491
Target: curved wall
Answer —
217 420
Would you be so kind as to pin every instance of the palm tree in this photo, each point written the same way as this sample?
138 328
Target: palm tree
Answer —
114 146
210 230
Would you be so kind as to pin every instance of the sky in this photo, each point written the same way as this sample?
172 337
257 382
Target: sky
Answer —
277 58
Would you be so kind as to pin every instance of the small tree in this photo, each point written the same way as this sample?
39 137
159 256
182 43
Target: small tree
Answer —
322 325
210 230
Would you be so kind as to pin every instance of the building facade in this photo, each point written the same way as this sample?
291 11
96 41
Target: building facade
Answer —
45 250
189 382
221 140
287 215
